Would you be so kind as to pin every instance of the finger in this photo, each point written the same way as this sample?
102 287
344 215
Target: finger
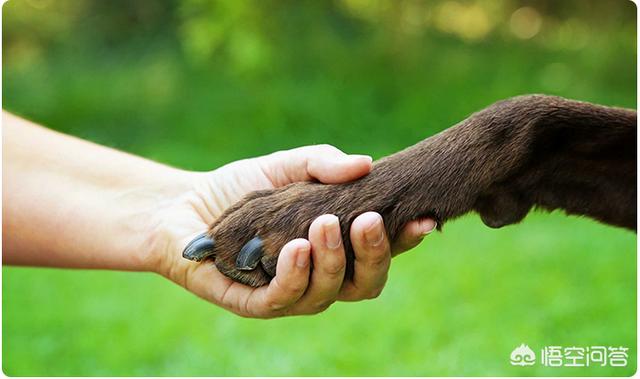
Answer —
372 258
412 234
329 263
322 162
290 282
338 169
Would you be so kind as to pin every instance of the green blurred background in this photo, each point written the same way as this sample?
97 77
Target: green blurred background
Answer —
198 83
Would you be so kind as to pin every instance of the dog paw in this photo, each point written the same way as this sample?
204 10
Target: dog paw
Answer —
246 240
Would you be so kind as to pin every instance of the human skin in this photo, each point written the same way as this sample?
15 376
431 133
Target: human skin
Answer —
71 203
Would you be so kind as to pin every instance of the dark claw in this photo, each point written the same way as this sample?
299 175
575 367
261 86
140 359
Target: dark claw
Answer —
199 248
250 255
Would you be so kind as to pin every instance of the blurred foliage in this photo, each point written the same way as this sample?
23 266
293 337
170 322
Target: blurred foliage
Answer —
198 83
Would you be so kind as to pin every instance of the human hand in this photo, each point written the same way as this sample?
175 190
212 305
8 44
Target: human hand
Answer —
295 289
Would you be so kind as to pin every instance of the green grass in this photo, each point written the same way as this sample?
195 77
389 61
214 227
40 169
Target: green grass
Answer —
456 305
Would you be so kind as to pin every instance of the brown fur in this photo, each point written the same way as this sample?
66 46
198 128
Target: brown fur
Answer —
526 151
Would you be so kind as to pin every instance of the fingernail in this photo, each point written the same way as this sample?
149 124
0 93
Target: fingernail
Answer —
332 237
302 259
428 226
374 234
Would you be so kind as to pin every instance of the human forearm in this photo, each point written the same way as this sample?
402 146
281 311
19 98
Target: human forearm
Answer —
72 203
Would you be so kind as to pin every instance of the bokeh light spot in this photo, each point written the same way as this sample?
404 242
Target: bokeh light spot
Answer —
525 22
469 21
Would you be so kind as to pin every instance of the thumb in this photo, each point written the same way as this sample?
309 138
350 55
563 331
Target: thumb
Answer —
318 162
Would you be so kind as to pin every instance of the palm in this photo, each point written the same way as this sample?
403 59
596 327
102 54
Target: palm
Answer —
213 192
192 214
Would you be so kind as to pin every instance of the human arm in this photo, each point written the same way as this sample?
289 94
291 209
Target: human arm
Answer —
72 203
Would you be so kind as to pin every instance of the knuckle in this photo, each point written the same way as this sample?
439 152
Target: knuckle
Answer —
295 288
379 257
335 268
290 287
379 261
325 146
274 307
